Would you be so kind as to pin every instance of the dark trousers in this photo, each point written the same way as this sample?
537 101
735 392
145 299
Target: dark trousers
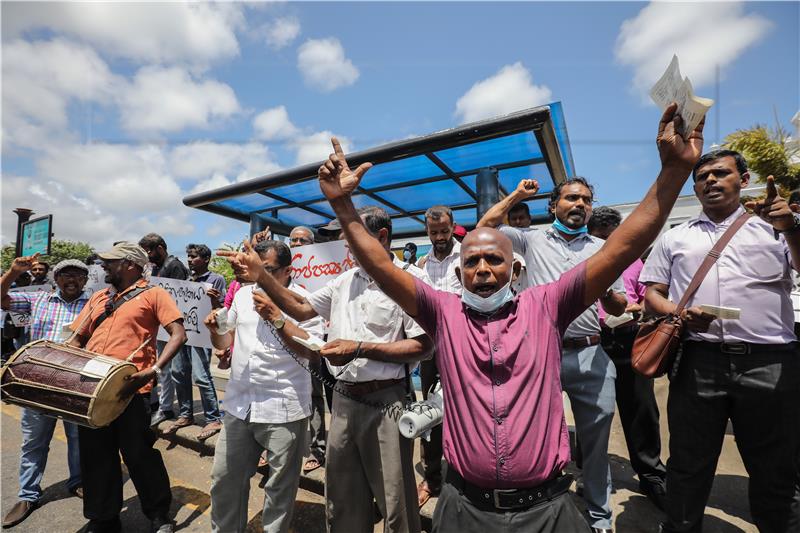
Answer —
760 394
431 452
130 435
455 513
638 410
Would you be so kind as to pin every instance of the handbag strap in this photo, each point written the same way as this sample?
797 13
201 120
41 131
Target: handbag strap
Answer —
711 258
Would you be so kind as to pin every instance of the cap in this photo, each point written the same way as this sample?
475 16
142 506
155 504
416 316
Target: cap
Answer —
127 250
67 263
460 231
333 227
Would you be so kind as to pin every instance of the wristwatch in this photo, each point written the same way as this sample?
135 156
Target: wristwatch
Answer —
157 370
795 226
278 323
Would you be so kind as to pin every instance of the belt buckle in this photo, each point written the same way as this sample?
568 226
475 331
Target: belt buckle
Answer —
738 348
497 493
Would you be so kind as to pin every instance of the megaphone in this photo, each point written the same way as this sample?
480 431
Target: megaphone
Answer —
423 416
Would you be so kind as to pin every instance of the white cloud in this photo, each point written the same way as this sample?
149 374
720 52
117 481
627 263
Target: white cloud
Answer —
40 79
281 32
169 99
317 146
703 34
511 89
274 124
214 162
160 32
324 66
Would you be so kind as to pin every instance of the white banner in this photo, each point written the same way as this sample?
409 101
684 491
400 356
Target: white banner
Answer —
195 305
316 264
22 320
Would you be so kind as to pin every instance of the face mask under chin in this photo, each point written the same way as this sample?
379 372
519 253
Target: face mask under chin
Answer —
491 303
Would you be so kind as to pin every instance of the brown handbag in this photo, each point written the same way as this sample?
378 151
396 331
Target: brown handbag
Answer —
658 339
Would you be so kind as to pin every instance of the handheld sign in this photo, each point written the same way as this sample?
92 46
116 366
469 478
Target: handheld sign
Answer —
36 235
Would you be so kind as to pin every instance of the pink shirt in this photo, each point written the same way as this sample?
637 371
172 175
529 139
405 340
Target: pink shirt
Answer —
504 416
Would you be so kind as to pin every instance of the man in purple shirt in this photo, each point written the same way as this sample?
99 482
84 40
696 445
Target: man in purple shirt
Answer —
746 370
505 437
636 400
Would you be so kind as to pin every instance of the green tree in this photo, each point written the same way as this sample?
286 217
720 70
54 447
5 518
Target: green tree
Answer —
59 250
220 265
767 154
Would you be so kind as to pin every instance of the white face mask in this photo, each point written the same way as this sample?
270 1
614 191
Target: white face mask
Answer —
490 304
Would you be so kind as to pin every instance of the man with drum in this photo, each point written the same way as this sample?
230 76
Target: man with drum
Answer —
122 322
50 311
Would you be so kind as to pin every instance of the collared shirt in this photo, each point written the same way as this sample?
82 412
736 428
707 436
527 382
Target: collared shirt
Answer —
358 310
48 310
216 281
548 255
266 382
504 421
752 274
443 273
128 327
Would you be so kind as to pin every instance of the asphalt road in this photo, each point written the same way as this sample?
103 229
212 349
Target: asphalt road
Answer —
727 511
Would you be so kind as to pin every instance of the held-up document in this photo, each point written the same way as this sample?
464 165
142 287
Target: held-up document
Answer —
725 313
313 343
672 87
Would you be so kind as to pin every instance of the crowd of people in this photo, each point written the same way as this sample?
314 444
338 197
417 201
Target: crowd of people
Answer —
506 318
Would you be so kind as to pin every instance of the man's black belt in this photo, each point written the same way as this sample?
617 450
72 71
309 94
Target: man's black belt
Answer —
740 348
504 500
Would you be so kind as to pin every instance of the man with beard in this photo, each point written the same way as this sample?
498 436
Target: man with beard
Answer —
39 272
440 264
505 437
164 266
193 363
745 370
119 321
49 312
587 373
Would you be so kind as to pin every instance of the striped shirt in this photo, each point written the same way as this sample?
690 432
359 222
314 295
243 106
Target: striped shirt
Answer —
49 312
443 273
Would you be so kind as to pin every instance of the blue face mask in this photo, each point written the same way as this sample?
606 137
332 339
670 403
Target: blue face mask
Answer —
557 224
489 304
406 255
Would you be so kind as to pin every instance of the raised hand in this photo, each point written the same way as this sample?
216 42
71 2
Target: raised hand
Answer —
774 209
675 151
336 179
527 188
23 264
263 235
247 264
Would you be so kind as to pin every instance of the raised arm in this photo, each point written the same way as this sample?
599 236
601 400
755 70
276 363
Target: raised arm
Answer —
638 231
337 183
499 211
776 211
20 265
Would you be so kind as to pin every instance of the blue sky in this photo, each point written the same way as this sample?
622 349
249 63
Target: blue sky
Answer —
111 113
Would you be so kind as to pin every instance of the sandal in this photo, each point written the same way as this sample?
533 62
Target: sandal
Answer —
181 422
311 464
209 430
423 493
262 461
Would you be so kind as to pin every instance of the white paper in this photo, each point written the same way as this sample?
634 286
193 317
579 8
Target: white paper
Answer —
313 343
725 313
613 321
672 87
95 368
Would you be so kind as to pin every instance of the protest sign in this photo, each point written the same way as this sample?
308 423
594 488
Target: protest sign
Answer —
195 305
316 264
22 320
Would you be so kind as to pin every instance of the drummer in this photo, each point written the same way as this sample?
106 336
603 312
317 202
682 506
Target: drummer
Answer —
49 312
133 312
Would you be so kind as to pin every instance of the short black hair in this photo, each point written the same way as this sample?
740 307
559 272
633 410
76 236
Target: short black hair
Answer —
522 206
201 249
604 216
555 194
45 263
411 246
284 254
90 260
436 212
376 219
152 240
741 162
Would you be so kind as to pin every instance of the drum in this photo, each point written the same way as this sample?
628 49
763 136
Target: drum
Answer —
66 382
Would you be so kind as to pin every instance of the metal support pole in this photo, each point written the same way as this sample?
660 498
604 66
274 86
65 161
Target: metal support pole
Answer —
23 215
488 189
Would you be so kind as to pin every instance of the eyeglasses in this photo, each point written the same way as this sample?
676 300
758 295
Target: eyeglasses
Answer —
71 275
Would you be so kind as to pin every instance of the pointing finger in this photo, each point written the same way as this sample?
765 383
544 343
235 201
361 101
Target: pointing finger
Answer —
772 191
337 147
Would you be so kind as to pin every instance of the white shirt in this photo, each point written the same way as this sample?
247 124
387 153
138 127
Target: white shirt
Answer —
752 274
358 310
265 380
443 273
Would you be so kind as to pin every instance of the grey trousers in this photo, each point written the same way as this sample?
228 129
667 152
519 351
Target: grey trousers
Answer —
318 433
369 459
455 514
235 460
587 376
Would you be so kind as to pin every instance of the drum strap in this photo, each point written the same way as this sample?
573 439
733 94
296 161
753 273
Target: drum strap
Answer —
111 309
